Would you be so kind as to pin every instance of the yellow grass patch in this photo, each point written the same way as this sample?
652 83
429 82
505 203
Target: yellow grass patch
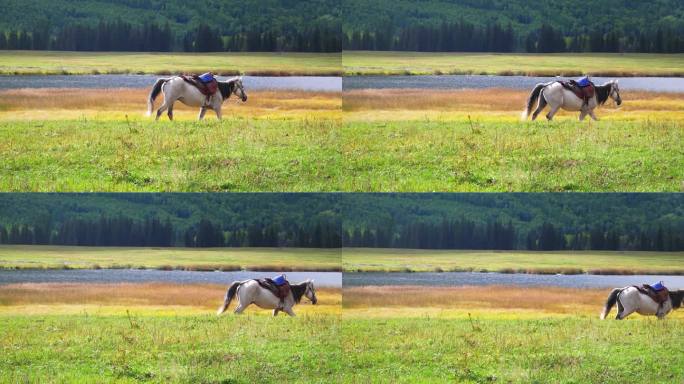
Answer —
488 301
131 103
491 104
149 298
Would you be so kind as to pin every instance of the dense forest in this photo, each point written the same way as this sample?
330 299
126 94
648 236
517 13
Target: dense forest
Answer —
190 26
576 221
189 220
514 25
515 221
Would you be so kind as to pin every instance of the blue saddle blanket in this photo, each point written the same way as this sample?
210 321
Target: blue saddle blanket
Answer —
583 82
658 286
206 77
279 280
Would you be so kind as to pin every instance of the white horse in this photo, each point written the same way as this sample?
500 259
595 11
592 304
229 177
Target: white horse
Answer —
630 300
250 292
556 96
175 88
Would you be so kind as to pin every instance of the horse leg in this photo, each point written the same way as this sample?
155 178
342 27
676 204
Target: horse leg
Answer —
582 115
161 110
593 116
549 116
240 308
218 112
540 105
275 312
203 110
170 112
289 311
620 315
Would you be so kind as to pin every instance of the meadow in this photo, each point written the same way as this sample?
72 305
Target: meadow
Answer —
195 259
473 140
524 64
225 64
502 334
160 333
89 140
545 262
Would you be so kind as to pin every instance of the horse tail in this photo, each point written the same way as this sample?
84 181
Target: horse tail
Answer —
154 93
230 294
612 298
530 100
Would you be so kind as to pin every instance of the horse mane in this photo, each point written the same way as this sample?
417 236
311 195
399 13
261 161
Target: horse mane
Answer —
603 92
298 291
226 87
677 297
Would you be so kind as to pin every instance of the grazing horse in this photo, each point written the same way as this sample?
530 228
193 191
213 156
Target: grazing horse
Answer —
556 96
250 292
175 88
630 300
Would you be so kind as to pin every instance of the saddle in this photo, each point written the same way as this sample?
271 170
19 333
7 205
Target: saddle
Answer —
280 291
658 295
206 83
584 89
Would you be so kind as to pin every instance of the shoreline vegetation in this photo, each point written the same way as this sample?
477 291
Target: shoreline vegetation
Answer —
27 257
385 63
363 260
145 63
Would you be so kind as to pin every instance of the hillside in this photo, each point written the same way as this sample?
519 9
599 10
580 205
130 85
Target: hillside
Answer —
525 16
152 25
516 25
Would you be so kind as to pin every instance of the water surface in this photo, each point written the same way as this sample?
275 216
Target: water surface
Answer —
301 83
659 84
322 279
519 279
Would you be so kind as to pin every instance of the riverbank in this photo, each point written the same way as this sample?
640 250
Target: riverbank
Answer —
187 259
224 63
531 262
509 64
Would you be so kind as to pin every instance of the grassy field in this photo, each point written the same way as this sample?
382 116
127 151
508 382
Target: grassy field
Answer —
299 259
596 64
160 333
473 140
602 262
502 334
253 63
274 142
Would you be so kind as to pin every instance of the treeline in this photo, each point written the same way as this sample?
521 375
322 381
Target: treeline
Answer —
447 37
465 37
152 232
466 234
122 36
321 234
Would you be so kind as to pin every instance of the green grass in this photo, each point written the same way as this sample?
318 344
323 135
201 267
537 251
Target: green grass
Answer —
37 256
567 350
235 154
174 349
253 63
596 64
447 155
367 260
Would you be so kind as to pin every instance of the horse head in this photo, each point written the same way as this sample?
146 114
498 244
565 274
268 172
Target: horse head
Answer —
239 89
615 92
310 292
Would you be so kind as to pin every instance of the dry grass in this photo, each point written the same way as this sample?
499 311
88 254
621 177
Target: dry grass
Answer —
61 103
198 296
544 299
490 99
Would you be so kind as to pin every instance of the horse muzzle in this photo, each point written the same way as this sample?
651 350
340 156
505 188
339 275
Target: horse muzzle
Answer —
619 102
244 98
